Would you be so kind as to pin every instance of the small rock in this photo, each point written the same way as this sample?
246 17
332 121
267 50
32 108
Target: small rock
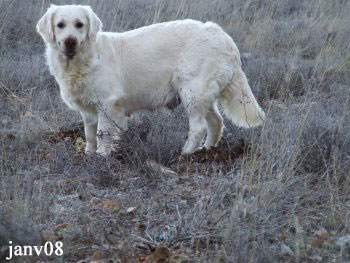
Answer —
131 210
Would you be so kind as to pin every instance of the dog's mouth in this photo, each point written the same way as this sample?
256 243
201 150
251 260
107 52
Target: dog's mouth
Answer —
70 54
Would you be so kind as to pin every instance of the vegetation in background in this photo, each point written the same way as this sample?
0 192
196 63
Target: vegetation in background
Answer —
278 193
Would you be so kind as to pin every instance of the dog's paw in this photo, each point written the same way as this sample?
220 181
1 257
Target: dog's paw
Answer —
104 151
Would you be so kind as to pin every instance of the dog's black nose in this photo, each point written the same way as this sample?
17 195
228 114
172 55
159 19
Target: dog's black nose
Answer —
70 44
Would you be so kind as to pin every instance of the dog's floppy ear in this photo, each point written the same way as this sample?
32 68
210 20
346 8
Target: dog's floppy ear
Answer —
45 27
95 24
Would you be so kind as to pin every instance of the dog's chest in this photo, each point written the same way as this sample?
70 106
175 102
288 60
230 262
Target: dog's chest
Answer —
76 89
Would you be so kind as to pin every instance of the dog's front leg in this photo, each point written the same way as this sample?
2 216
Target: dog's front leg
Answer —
90 128
111 122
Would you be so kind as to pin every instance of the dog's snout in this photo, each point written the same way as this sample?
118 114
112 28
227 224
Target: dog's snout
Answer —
70 43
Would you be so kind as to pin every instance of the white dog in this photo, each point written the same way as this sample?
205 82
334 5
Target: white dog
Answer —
107 76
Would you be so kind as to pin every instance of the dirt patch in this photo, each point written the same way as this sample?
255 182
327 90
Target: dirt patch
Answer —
221 158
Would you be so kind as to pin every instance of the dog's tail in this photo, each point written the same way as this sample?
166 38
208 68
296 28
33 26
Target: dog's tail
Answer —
239 103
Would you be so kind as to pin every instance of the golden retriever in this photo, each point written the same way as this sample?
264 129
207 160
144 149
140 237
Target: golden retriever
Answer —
107 76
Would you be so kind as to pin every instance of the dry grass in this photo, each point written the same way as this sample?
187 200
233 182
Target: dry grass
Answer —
279 193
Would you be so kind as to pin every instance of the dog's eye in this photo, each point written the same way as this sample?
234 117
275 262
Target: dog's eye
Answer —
79 25
61 25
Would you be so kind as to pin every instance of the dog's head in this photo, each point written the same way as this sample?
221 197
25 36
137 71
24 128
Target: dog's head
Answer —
68 27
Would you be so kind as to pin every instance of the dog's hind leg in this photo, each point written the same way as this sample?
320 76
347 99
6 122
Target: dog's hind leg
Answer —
214 126
196 109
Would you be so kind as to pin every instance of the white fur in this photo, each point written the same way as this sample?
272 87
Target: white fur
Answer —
115 74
